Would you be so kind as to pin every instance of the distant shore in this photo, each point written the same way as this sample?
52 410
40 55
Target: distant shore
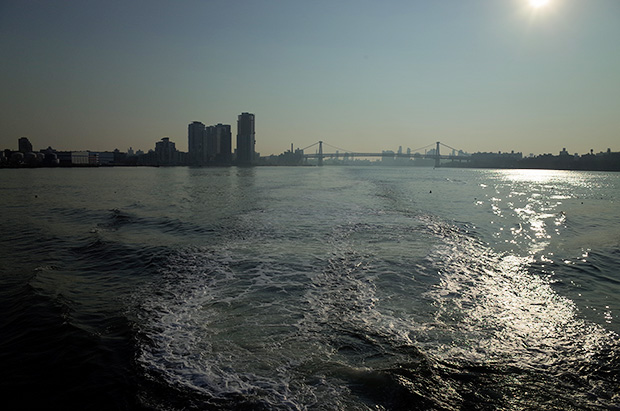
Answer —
523 164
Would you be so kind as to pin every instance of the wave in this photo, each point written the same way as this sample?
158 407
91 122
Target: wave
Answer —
45 351
501 314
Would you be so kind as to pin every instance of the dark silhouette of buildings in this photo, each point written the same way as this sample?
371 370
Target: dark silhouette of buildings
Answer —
292 157
24 145
603 161
166 152
209 145
196 144
212 145
496 160
219 144
245 139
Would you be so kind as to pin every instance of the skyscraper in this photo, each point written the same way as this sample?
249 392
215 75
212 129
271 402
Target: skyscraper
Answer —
223 138
211 143
218 145
245 139
196 144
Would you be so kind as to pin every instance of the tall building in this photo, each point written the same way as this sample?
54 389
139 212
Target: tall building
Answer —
196 144
223 137
245 139
210 144
218 145
24 145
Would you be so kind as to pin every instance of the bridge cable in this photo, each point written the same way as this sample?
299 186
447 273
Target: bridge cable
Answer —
338 148
421 148
351 151
311 145
451 148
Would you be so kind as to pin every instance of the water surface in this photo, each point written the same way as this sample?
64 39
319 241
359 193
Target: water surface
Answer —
310 288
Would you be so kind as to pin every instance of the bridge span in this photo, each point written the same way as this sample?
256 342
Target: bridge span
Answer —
436 155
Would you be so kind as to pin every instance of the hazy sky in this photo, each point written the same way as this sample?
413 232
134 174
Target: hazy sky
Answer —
478 75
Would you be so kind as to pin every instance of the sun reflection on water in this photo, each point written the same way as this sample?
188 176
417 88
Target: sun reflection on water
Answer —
499 311
523 299
539 176
528 205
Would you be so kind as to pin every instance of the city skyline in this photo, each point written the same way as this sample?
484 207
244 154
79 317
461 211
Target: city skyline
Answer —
212 146
480 75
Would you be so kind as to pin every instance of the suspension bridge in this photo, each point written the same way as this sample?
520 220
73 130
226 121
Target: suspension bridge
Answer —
435 154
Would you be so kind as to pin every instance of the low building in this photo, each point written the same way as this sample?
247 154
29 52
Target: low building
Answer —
166 152
80 158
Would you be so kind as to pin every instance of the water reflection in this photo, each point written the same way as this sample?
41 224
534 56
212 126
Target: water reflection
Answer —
541 176
502 310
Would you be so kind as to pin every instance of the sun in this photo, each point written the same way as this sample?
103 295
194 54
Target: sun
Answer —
538 3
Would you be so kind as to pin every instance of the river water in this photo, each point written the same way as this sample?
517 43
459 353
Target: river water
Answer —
309 288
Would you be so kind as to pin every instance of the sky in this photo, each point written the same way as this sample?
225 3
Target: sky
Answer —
364 75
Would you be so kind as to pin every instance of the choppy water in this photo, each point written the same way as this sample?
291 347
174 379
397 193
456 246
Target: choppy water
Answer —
309 288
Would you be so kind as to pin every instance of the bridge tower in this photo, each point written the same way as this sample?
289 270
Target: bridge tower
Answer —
320 153
437 156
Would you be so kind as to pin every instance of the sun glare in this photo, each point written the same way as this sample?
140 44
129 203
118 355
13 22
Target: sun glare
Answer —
538 3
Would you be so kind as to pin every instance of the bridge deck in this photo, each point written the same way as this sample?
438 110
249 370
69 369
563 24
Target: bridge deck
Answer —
395 155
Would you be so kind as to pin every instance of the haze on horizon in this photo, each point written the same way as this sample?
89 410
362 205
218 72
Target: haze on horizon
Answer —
478 75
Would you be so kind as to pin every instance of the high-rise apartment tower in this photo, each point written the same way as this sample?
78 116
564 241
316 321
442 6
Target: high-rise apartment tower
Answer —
196 144
245 139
